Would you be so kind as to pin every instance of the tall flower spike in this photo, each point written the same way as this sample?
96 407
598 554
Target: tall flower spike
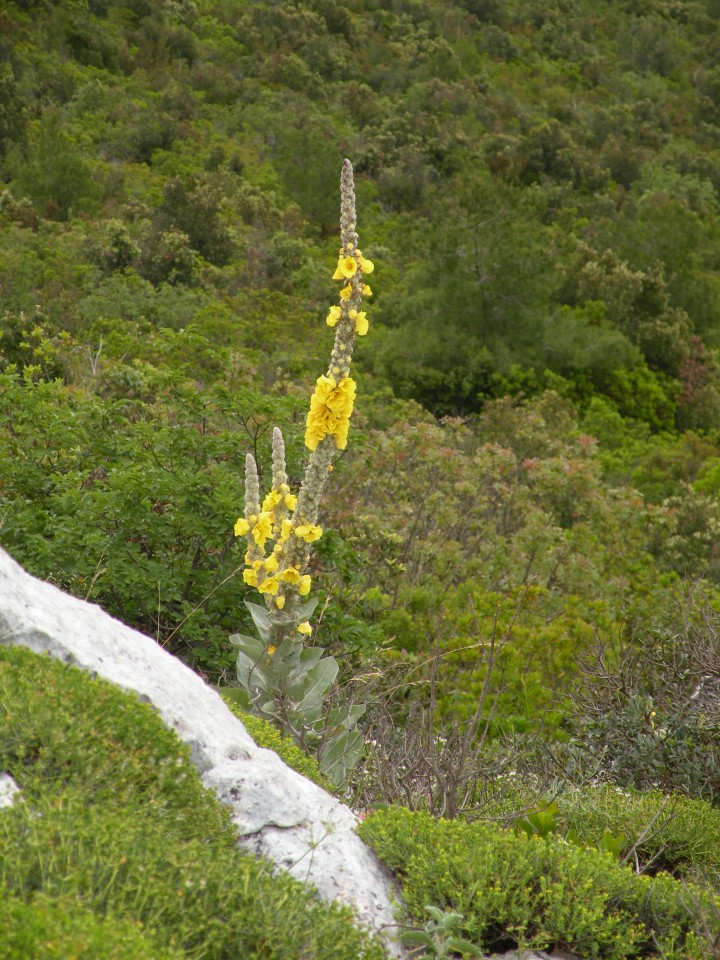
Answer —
252 510
294 520
345 326
278 459
280 501
332 401
291 523
252 487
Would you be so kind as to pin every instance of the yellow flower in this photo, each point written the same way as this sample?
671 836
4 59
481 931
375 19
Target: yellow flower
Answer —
366 266
304 585
272 648
330 408
250 578
271 501
365 290
263 528
346 292
290 501
270 585
333 316
271 564
286 528
241 527
341 434
309 532
361 323
279 602
347 267
290 576
305 628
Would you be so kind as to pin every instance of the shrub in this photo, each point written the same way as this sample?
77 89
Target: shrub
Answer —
130 504
484 508
663 832
193 210
45 928
650 710
168 257
57 177
533 892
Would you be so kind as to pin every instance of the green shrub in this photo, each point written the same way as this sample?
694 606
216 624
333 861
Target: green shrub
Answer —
57 177
650 708
120 753
130 504
168 257
114 816
673 833
44 928
533 892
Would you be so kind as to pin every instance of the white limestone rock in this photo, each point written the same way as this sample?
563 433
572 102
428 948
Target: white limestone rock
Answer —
8 789
278 813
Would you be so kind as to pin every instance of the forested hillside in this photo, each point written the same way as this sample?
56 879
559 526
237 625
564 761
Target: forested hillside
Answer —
539 390
517 557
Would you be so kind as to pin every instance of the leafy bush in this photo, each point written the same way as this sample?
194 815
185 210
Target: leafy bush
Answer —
168 257
650 711
114 816
535 893
57 177
132 504
486 508
47 928
663 832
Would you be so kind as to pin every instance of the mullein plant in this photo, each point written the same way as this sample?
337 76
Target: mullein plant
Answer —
282 677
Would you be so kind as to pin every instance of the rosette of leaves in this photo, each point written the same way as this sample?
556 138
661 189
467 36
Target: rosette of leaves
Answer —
286 682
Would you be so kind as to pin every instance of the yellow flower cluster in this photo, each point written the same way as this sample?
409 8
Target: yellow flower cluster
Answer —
351 263
330 408
267 574
276 497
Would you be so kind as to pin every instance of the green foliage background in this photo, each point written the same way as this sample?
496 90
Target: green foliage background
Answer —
540 388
